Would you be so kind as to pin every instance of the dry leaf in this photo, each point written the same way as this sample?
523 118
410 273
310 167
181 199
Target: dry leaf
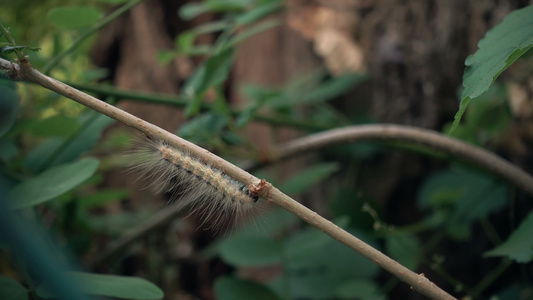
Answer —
332 34
520 101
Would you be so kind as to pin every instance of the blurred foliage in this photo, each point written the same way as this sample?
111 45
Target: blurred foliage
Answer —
109 285
228 288
53 156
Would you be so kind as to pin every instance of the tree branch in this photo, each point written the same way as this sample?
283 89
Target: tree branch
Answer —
388 132
264 189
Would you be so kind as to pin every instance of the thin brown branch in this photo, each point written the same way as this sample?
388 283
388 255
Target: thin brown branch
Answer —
264 189
388 132
433 140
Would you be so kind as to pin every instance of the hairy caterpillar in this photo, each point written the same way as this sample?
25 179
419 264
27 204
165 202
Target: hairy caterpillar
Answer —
211 192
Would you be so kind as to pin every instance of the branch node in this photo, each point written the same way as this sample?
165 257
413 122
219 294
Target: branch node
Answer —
12 72
261 189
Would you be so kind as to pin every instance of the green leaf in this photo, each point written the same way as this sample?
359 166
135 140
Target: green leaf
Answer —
52 183
185 41
95 74
228 288
192 10
164 57
117 224
11 49
513 291
271 222
204 127
361 289
303 246
12 290
259 95
485 119
482 196
405 249
323 92
220 104
473 195
9 105
59 125
318 272
102 197
213 72
440 189
36 159
200 50
7 82
208 28
340 259
463 196
8 149
216 69
259 12
113 1
228 5
253 251
194 106
267 24
306 178
93 124
347 200
501 46
111 286
246 116
332 88
73 17
519 246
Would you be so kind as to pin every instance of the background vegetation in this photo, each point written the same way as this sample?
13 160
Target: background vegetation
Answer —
238 77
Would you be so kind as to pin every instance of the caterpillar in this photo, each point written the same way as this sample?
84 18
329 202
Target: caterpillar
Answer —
208 190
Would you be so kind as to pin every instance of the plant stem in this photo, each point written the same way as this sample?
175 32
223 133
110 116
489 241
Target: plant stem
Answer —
263 189
387 132
490 232
490 277
22 267
418 282
66 142
166 99
7 34
101 23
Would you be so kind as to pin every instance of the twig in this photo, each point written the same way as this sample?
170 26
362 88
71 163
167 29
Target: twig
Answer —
491 277
263 189
11 41
388 132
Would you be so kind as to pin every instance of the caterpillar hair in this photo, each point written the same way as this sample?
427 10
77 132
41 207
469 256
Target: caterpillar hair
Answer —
209 191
